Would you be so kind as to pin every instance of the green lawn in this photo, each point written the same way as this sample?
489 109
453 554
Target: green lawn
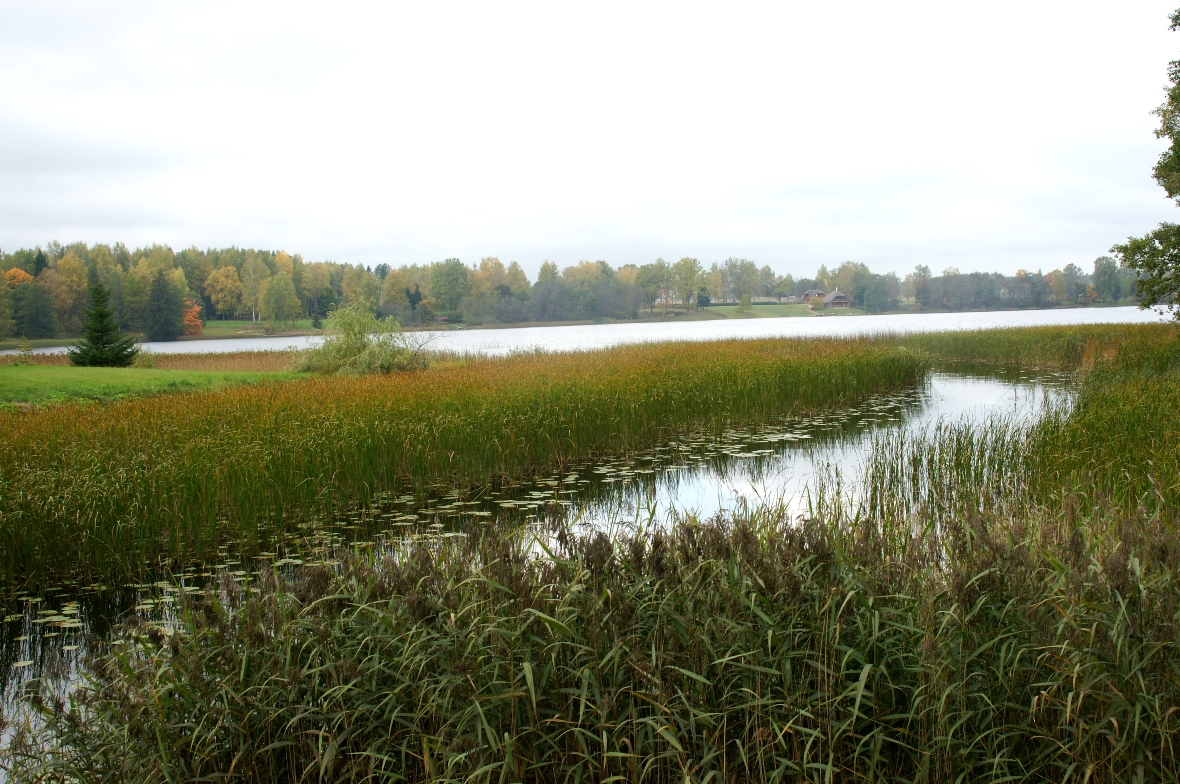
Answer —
247 328
768 310
54 384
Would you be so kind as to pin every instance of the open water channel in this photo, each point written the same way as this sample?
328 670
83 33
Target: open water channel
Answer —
46 632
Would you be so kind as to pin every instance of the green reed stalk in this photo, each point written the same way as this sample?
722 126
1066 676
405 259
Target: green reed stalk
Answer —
1068 347
1111 448
749 649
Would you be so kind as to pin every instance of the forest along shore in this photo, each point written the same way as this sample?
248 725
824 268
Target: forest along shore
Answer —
165 295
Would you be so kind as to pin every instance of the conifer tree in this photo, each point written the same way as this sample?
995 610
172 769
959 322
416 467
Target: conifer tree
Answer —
102 344
6 321
165 310
32 310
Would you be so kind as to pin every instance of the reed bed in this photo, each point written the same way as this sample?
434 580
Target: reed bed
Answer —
253 361
1067 348
49 360
1111 448
175 475
746 649
998 605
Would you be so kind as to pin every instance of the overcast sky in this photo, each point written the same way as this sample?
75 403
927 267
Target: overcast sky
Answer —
989 136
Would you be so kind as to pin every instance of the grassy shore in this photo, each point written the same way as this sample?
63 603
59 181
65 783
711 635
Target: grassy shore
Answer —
1068 348
177 474
237 361
772 310
42 385
255 329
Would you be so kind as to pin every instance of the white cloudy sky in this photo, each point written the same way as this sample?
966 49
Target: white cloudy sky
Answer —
986 136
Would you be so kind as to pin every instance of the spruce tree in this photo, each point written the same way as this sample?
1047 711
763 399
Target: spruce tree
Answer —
102 344
32 310
6 321
165 310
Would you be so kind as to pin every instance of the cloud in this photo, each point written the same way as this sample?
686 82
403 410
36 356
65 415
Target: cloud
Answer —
795 134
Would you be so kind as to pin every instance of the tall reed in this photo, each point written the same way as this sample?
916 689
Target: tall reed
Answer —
98 490
747 649
1111 447
1068 348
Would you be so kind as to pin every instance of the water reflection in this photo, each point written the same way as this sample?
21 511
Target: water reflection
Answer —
45 633
780 461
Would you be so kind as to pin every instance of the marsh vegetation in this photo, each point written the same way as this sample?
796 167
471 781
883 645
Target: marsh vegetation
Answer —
175 475
417 596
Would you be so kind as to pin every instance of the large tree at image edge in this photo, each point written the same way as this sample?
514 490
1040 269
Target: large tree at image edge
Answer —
1156 257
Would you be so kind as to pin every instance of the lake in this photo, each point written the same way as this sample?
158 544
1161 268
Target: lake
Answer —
592 336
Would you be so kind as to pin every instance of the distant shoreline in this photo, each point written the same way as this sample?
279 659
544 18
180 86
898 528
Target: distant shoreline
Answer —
700 314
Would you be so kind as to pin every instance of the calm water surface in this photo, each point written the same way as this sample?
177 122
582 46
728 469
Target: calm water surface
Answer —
46 631
591 336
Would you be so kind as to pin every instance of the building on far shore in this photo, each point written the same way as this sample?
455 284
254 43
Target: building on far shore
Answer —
793 300
808 296
835 299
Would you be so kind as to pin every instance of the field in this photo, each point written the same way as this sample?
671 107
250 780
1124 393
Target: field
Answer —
775 310
11 344
992 604
39 384
237 361
256 329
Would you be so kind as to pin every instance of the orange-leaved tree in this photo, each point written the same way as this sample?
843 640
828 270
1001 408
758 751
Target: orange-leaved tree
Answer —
192 318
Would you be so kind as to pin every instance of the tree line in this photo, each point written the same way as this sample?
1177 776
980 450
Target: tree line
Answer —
164 294
47 290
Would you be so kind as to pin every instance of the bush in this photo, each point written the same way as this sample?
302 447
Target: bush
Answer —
358 343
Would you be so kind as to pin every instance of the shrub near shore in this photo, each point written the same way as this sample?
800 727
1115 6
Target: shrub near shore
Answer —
178 474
